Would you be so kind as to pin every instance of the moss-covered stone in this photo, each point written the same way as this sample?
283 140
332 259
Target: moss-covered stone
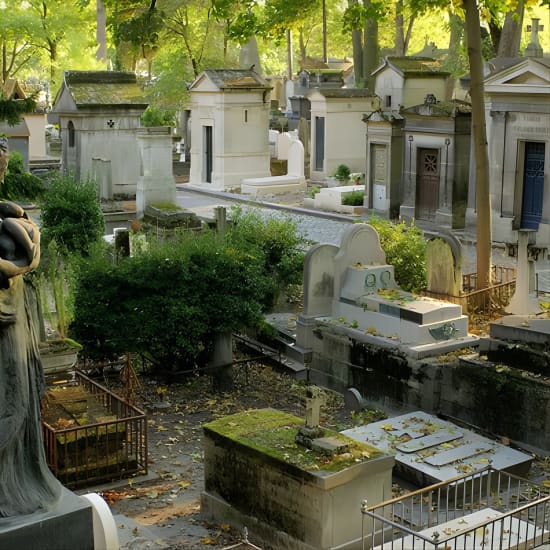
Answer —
273 434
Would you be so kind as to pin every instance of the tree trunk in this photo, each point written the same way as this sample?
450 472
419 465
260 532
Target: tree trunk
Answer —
399 29
481 156
357 45
510 36
370 49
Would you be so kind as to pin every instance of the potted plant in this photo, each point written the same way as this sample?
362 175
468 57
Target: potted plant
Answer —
57 351
342 173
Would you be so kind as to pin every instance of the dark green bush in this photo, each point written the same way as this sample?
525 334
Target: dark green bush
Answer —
354 198
169 303
71 214
18 184
342 172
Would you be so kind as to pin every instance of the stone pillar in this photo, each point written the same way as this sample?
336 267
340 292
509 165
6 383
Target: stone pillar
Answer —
156 181
523 303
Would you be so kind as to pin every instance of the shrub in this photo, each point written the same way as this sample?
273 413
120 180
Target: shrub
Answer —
169 302
19 184
153 116
342 172
405 249
354 198
313 190
71 214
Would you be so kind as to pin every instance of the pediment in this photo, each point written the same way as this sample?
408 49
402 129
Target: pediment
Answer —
526 76
203 83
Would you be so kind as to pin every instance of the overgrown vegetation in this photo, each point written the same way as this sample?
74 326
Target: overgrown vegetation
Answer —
342 173
405 249
169 303
155 116
355 198
71 215
19 184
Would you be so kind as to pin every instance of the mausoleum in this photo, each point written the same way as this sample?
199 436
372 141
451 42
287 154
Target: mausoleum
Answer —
99 115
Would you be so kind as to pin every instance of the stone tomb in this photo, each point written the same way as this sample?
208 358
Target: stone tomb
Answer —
430 450
287 495
359 294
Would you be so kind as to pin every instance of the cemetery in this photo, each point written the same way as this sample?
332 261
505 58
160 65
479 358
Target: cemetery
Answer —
247 309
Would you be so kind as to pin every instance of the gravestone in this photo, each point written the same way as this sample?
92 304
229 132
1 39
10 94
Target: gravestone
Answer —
444 256
368 305
156 182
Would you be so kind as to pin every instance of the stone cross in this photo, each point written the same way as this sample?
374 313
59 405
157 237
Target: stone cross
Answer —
315 397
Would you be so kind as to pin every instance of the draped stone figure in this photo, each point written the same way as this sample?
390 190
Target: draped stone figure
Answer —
26 483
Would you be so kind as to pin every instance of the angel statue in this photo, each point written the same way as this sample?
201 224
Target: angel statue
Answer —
26 483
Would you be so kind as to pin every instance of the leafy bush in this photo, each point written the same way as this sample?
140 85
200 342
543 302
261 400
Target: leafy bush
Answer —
169 302
153 116
313 190
354 198
405 249
342 172
19 184
71 214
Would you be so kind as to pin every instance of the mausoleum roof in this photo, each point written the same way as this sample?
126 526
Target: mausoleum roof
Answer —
440 108
227 79
413 66
104 88
336 93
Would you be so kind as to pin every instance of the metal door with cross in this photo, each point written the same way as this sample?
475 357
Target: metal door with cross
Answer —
533 186
427 184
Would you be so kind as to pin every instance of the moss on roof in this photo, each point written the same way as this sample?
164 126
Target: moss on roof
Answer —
236 78
104 88
417 65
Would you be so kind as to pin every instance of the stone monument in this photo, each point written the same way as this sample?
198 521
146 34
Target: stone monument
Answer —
35 509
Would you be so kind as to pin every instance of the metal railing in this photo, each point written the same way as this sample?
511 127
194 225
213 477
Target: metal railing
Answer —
494 297
116 448
487 510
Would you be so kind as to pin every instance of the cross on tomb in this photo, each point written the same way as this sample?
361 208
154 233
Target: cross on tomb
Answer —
315 397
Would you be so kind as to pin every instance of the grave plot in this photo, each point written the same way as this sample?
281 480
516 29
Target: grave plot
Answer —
429 450
91 435
485 510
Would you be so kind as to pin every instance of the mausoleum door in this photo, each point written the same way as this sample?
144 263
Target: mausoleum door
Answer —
319 143
207 154
427 187
533 186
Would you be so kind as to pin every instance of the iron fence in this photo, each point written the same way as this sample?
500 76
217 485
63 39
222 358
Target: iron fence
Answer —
495 297
82 455
487 510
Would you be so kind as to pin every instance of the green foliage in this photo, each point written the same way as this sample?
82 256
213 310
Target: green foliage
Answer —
71 214
355 198
342 172
274 242
405 249
154 116
19 184
170 301
313 190
12 109
56 280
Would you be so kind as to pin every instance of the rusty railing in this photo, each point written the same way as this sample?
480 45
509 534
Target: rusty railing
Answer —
83 455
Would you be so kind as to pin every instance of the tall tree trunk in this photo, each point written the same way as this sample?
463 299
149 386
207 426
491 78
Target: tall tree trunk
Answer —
399 29
481 155
101 31
357 45
510 36
370 49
